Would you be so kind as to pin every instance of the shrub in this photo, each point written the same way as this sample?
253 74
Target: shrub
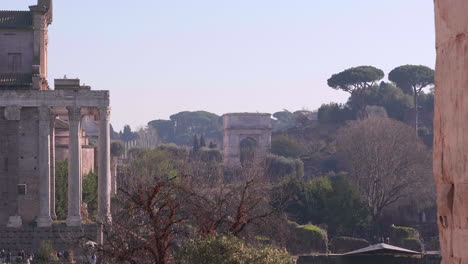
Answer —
278 167
286 147
228 250
406 237
307 239
45 252
346 244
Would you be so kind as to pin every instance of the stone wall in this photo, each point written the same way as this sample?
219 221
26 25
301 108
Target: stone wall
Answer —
19 165
28 238
450 128
20 42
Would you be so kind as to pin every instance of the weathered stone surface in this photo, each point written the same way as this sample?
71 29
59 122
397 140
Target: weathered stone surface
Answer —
239 126
450 128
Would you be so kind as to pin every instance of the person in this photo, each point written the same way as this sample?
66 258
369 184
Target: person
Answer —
8 257
3 256
93 258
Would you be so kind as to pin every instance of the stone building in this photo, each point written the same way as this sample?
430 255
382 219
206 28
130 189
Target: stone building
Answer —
255 127
28 115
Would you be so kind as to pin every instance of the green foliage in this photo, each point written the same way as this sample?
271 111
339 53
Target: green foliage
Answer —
196 144
342 244
278 167
90 190
154 164
210 155
355 78
410 78
392 98
61 190
331 200
127 134
202 141
45 252
306 239
406 237
334 113
285 146
283 120
229 250
116 148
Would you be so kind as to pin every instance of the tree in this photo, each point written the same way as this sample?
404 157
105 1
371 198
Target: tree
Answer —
196 144
334 113
386 160
202 141
393 99
412 79
228 250
356 81
116 149
285 146
332 200
127 134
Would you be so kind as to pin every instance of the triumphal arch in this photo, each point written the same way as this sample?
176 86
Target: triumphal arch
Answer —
240 126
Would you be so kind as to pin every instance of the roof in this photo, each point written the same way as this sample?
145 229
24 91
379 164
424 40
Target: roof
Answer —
15 19
15 81
381 248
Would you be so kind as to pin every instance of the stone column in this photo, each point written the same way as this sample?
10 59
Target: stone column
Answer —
104 175
74 148
450 128
52 166
44 219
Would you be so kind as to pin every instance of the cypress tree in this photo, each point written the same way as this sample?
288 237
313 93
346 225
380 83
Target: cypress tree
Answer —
202 141
196 144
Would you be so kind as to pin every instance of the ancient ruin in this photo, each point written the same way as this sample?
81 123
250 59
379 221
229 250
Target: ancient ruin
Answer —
240 126
28 115
450 122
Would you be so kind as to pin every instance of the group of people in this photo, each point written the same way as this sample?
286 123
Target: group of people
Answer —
21 257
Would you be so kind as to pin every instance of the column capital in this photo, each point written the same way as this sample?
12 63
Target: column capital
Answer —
12 112
44 113
74 113
104 112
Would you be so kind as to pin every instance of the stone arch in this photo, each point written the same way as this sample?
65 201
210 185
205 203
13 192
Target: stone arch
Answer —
241 126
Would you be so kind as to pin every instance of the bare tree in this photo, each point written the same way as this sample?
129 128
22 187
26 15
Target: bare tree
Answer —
386 160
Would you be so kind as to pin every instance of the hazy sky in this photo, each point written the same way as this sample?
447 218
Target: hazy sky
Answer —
161 57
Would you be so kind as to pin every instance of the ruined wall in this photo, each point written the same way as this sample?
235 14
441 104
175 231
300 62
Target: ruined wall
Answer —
450 128
16 42
18 164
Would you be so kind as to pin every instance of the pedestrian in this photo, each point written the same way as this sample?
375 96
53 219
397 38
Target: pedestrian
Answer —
93 258
3 256
8 257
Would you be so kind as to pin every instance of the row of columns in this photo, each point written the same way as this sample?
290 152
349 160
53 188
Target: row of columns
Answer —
47 167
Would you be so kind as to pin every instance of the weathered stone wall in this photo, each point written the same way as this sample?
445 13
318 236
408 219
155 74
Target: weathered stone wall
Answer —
450 128
28 238
239 126
28 167
16 41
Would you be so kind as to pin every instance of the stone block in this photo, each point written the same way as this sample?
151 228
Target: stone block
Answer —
14 221
12 113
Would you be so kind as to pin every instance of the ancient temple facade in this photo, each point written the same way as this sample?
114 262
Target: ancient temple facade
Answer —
29 108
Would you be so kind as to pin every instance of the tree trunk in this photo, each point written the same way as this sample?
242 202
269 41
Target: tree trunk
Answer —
450 128
416 110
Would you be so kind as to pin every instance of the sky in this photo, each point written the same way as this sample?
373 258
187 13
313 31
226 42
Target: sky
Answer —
159 57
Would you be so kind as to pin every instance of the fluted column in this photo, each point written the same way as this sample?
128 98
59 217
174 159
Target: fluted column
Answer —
104 175
74 149
44 219
52 167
